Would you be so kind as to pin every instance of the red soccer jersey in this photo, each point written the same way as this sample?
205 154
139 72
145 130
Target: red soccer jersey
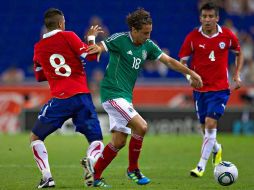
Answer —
210 56
59 55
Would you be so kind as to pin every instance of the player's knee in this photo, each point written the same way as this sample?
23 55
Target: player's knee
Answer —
141 130
33 137
119 143
144 129
210 123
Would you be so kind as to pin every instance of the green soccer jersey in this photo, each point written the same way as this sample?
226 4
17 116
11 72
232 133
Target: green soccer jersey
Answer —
125 62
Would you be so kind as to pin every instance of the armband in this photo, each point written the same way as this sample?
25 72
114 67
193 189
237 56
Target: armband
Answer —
91 38
188 77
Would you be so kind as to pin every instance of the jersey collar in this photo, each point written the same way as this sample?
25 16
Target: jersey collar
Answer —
216 34
130 36
51 33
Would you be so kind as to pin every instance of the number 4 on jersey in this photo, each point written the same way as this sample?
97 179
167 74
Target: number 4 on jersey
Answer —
212 56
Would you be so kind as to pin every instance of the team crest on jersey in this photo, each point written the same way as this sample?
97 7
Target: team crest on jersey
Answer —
130 109
222 45
144 54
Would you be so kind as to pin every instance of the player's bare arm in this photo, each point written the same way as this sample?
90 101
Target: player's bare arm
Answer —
176 65
238 67
192 82
96 48
184 62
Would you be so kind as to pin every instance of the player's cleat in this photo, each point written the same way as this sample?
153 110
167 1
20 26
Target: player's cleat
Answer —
88 172
100 183
46 183
217 157
197 172
138 177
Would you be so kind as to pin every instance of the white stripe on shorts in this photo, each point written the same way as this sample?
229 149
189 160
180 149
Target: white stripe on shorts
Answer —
120 110
120 113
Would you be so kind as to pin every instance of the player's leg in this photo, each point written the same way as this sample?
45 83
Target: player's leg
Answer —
215 106
50 118
216 153
217 149
124 118
86 121
216 110
139 129
208 142
94 152
201 111
120 113
110 151
41 157
207 146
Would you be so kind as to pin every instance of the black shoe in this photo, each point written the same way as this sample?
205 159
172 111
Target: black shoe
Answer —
46 183
88 171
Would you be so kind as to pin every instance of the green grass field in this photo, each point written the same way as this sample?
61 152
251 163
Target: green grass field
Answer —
166 159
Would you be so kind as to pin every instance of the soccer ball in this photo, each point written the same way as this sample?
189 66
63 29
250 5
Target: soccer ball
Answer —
225 173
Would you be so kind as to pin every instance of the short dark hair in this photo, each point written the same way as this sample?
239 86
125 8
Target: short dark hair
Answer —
138 18
209 6
52 17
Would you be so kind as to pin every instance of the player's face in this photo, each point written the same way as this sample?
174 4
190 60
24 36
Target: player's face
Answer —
143 34
209 19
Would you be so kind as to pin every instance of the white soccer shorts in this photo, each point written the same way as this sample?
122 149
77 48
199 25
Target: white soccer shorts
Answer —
120 112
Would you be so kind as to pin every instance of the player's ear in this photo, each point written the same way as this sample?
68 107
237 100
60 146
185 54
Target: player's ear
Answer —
134 30
61 25
200 18
218 18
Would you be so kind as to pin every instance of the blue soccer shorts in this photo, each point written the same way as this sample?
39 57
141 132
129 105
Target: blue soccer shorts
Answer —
79 107
210 104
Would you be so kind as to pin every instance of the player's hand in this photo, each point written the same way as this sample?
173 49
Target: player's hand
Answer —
237 81
94 48
195 80
94 30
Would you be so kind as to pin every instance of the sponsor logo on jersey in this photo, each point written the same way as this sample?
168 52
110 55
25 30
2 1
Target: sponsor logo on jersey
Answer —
144 54
129 52
222 45
202 46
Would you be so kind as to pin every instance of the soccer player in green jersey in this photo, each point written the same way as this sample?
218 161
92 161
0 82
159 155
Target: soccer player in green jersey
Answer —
128 52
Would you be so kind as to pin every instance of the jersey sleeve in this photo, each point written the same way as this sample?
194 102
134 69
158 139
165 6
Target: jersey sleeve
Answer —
112 42
154 51
38 72
235 45
186 49
79 47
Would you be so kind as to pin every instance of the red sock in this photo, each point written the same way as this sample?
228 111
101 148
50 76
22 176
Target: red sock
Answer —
108 154
134 151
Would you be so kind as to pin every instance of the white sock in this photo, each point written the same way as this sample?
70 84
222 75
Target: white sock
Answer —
41 158
202 163
207 147
94 151
216 146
